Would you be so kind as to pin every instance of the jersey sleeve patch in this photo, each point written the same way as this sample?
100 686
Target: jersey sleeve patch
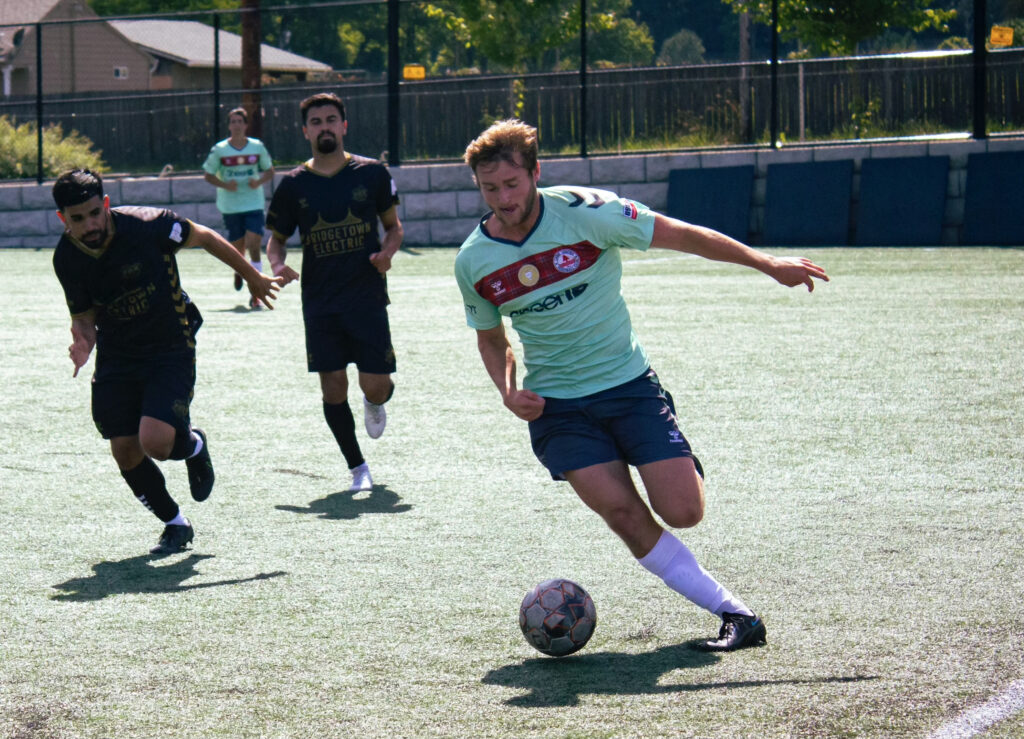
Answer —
536 271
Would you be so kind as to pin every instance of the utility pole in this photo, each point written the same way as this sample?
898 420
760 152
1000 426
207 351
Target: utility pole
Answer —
251 66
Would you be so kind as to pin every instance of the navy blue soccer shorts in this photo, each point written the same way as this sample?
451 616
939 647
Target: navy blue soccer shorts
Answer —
634 422
237 224
126 389
359 337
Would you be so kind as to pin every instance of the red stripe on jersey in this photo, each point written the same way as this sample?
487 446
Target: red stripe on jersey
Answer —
240 159
537 271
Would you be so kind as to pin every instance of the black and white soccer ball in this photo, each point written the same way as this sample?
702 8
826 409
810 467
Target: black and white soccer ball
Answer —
557 617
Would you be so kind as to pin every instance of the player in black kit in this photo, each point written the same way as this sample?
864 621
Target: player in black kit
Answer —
337 201
120 278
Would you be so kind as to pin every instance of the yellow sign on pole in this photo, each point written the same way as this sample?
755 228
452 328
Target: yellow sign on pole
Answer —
1001 36
414 72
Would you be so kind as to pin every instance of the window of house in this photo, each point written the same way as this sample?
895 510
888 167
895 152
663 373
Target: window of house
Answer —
120 73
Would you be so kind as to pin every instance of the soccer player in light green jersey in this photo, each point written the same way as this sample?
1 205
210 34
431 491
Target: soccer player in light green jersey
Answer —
238 167
548 259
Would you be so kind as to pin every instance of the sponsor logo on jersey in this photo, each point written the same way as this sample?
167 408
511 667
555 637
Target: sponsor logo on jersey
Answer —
550 302
535 272
566 261
529 275
630 210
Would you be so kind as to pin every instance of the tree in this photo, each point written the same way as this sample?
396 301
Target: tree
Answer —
836 27
682 47
542 34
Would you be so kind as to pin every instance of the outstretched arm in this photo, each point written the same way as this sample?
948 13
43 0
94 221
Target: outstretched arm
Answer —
261 286
83 338
500 363
670 233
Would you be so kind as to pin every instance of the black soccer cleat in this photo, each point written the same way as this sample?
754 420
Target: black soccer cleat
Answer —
200 471
738 631
175 538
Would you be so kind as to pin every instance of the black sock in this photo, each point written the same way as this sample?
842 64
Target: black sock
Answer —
184 445
147 482
343 426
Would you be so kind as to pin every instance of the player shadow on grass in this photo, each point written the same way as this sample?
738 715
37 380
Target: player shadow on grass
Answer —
136 575
347 505
560 682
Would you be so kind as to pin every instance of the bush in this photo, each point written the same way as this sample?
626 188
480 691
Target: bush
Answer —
18 155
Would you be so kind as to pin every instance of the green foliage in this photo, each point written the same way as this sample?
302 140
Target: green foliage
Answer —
18 151
541 35
683 47
836 27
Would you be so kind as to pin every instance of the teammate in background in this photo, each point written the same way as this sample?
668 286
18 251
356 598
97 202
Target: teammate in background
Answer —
238 167
549 259
338 200
120 278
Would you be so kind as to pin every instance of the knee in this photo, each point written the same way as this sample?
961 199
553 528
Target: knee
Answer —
378 392
684 515
127 452
156 445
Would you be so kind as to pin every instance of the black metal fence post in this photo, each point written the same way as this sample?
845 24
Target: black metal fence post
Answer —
583 78
774 125
39 103
394 64
216 73
980 59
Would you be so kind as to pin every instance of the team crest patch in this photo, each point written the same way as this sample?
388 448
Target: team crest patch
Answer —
529 275
131 271
175 234
566 261
630 210
359 194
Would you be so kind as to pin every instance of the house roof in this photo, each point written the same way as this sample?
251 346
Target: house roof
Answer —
191 43
24 12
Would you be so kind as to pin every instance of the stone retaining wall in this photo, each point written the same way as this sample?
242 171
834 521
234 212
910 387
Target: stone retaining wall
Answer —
440 204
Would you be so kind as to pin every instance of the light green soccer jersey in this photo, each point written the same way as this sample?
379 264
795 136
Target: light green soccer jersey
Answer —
561 288
241 165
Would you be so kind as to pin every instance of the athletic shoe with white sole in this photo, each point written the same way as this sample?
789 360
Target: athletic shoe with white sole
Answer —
361 479
375 418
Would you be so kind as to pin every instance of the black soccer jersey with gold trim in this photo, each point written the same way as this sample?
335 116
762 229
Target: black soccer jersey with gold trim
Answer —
338 219
131 281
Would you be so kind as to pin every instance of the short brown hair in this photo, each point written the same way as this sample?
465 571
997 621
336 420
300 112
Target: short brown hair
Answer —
321 99
501 142
239 111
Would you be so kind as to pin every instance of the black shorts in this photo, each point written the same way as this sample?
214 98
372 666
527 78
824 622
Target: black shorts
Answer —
361 337
634 421
126 389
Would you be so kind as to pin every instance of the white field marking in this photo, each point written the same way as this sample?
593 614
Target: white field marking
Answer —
977 720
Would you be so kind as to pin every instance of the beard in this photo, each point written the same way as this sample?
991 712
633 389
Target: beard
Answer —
94 238
523 215
326 143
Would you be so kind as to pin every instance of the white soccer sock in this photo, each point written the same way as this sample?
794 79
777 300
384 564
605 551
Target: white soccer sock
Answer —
257 265
674 563
178 520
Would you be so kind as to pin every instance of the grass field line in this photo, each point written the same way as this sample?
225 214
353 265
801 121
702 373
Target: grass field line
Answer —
972 723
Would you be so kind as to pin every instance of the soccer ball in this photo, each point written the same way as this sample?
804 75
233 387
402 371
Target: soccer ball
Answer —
557 617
